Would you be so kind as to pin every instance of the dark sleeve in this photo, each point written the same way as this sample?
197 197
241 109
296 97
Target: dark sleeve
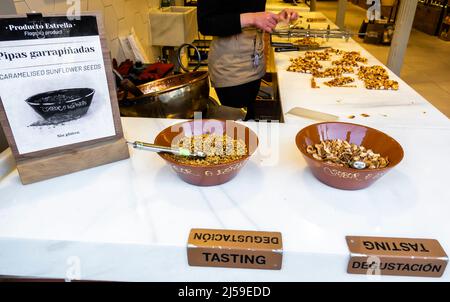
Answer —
212 21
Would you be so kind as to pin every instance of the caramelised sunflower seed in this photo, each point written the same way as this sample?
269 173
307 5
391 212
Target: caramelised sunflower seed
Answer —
219 149
314 83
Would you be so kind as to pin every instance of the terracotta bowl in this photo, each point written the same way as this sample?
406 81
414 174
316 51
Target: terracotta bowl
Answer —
211 175
348 178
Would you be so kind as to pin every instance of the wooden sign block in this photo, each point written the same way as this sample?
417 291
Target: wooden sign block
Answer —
58 102
34 170
235 249
396 256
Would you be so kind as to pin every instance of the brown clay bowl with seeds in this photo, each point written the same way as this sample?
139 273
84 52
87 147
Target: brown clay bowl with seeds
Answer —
342 177
208 175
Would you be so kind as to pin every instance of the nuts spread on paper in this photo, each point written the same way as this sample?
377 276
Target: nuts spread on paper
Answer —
343 154
303 65
345 62
354 56
335 51
307 42
350 58
317 55
373 73
377 78
381 84
333 72
219 149
340 82
374 77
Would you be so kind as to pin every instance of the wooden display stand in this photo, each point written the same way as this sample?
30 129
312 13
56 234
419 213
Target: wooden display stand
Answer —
46 164
62 163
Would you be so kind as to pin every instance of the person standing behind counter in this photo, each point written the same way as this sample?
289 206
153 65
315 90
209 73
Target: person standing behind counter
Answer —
236 58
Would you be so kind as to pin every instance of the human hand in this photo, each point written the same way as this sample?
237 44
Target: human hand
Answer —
265 21
287 15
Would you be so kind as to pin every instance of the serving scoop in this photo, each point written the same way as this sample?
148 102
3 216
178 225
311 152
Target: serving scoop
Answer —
156 148
359 165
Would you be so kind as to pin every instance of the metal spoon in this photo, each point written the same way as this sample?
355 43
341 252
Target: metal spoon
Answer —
359 165
156 148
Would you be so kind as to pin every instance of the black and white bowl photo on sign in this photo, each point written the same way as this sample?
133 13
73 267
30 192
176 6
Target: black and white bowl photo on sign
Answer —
54 91
57 107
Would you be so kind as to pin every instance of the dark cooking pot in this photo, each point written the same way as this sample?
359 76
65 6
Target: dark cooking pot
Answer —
178 97
62 105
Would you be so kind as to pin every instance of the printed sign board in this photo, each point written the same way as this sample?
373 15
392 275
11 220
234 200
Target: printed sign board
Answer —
57 91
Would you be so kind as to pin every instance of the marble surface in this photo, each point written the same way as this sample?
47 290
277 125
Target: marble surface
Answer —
130 220
404 107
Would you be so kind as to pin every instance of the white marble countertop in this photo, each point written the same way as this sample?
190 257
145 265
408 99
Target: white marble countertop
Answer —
130 220
404 107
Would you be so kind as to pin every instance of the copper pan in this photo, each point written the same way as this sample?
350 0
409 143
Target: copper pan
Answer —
178 97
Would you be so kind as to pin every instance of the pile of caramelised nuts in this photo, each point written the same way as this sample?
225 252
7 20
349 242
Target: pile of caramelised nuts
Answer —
354 56
318 56
345 62
340 82
376 77
307 41
304 65
333 72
